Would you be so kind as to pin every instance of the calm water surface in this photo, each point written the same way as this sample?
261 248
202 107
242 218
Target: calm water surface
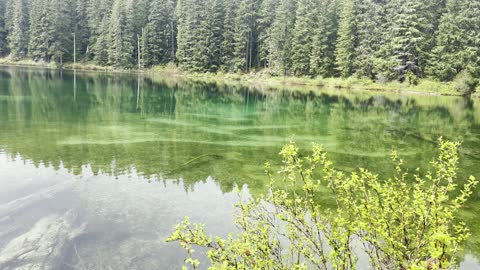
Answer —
96 169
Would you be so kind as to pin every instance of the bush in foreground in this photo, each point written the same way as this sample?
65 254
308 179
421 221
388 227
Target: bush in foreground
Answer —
404 222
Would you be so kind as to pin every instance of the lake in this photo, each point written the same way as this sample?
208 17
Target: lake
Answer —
96 169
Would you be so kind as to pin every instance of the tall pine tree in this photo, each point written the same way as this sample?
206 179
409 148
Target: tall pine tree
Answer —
347 39
322 58
120 35
458 41
3 29
281 37
18 32
302 44
159 32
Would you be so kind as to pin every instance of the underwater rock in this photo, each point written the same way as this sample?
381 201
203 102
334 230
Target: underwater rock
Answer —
41 247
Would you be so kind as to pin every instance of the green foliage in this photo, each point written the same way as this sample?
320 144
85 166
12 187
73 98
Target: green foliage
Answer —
370 20
378 40
322 58
281 37
302 40
158 42
403 222
457 41
406 37
101 43
81 29
411 78
346 43
50 30
314 34
191 51
265 21
120 34
3 30
18 30
98 16
244 35
465 83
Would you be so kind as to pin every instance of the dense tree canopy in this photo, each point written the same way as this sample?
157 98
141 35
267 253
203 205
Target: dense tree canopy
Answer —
377 39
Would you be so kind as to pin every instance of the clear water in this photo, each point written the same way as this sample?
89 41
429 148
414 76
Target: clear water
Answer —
96 169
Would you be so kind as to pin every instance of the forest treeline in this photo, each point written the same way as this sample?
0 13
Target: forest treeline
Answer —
378 39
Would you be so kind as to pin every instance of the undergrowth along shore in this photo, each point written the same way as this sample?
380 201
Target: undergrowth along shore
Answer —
424 86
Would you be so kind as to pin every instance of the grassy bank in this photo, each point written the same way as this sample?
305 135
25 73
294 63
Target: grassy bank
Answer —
424 86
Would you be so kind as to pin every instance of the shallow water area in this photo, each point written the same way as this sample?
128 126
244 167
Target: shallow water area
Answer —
96 169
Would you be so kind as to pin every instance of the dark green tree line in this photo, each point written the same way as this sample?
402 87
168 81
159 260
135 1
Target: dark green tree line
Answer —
376 39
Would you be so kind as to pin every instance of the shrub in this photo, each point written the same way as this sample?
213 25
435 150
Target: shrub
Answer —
403 222
411 78
465 83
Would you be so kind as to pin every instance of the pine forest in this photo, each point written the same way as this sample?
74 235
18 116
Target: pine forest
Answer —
382 40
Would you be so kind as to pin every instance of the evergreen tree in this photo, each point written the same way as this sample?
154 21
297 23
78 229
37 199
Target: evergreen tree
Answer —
60 14
187 27
347 39
39 24
211 34
407 36
18 32
265 21
158 35
81 28
120 35
302 44
377 39
458 41
200 25
281 36
101 43
140 10
244 37
369 17
322 58
227 52
3 29
97 12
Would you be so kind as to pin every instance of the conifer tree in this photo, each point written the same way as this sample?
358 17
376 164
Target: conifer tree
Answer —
211 34
265 42
81 28
369 16
158 33
306 24
322 57
101 43
39 24
407 36
18 32
458 41
244 38
60 14
97 12
377 39
120 35
347 39
187 28
281 37
3 29
228 36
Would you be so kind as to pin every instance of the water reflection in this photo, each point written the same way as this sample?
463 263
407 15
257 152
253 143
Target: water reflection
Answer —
52 219
99 127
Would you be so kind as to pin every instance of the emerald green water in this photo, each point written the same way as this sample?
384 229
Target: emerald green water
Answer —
121 158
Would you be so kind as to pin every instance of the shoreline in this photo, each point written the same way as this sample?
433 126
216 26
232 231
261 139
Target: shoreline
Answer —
424 86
